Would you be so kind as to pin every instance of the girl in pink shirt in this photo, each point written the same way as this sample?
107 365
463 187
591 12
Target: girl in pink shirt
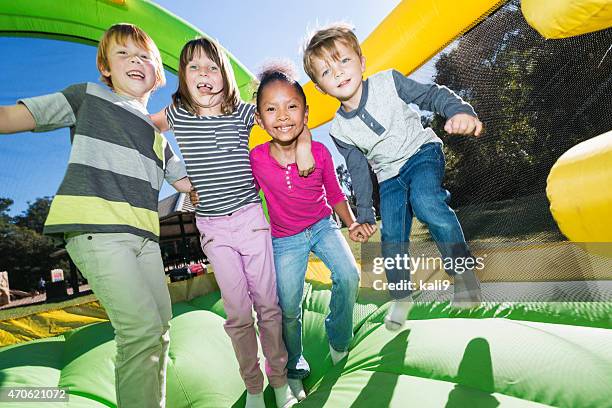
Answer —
300 215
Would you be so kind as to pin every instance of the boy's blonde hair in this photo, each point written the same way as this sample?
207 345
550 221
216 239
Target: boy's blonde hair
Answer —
322 45
119 34
212 50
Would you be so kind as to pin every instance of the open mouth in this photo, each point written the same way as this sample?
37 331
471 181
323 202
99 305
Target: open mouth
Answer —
135 74
344 83
285 128
204 86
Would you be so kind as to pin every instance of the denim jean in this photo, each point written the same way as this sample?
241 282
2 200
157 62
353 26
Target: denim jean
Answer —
291 260
417 191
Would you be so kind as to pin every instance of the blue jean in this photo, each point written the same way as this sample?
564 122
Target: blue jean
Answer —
291 261
417 191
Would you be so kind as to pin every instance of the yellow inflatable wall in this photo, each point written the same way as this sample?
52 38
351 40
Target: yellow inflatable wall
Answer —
409 36
567 18
580 193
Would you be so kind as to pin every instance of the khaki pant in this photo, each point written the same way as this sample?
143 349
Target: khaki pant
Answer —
126 273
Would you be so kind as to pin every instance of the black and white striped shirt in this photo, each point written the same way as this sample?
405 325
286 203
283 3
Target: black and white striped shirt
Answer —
216 154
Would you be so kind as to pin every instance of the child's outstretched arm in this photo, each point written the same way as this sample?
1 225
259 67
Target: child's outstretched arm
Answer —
463 124
16 118
303 154
160 120
183 185
175 172
358 232
461 116
174 165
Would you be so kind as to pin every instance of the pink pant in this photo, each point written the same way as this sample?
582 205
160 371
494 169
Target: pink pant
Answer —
239 247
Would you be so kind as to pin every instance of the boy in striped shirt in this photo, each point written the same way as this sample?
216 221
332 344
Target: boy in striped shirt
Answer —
106 205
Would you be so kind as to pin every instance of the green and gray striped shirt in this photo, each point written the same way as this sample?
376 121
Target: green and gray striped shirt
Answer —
117 164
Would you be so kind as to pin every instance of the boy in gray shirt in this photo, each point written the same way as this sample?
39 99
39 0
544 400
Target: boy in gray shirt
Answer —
375 124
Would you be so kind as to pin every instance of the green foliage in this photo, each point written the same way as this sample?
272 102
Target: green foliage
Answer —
344 178
5 204
36 214
536 97
24 251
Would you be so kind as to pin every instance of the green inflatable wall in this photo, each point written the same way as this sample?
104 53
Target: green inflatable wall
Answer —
85 21
499 355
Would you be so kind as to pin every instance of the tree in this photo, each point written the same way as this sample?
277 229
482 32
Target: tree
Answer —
25 255
344 178
5 204
24 252
36 214
536 97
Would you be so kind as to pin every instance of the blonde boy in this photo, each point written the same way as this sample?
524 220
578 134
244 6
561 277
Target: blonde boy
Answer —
375 124
106 206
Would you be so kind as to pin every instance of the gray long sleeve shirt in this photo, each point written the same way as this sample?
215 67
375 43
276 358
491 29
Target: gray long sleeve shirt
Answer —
385 131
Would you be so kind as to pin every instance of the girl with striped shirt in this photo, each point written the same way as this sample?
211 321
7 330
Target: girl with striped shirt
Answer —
211 125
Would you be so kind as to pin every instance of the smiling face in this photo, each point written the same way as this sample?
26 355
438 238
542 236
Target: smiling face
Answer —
205 83
131 69
340 77
281 111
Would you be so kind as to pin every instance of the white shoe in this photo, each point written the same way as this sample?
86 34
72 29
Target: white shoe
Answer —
284 397
398 312
466 291
255 401
297 388
336 356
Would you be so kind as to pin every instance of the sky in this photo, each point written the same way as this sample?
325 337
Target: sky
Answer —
33 165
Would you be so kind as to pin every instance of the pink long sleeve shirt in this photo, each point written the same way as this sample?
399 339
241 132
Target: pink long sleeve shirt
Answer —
295 203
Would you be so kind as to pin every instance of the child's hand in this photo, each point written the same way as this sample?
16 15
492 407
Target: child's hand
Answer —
193 196
370 229
305 162
463 124
361 232
303 153
357 234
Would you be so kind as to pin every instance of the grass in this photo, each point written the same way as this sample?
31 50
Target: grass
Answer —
520 219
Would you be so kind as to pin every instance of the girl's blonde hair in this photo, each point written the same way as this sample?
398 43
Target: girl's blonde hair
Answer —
119 34
212 50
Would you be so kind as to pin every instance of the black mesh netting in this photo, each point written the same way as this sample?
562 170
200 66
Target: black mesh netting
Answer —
536 98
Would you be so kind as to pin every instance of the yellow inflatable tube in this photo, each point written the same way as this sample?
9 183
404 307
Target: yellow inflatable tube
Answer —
409 36
567 18
579 192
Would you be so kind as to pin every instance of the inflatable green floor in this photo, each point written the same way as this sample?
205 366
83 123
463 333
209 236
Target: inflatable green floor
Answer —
508 355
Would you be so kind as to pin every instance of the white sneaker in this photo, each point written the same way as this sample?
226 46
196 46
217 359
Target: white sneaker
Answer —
284 397
466 291
336 356
255 401
297 388
398 312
